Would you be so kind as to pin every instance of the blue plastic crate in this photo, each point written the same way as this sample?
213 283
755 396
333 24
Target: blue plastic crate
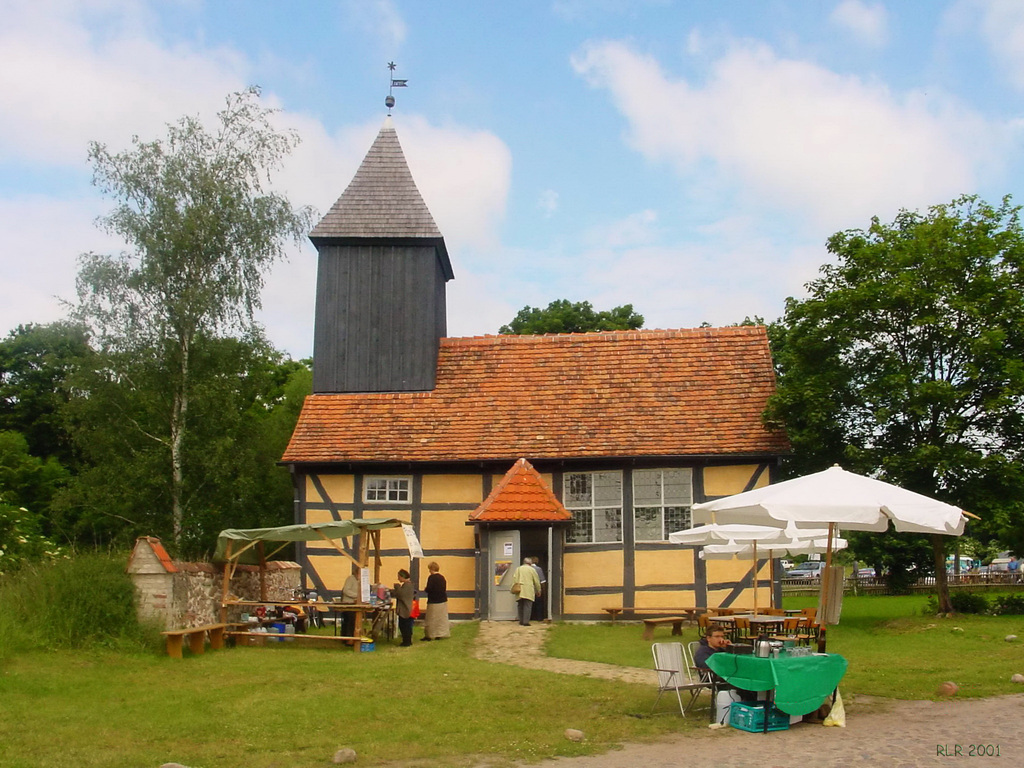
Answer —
750 717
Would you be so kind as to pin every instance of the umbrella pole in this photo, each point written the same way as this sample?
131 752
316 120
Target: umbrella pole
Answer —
826 584
755 577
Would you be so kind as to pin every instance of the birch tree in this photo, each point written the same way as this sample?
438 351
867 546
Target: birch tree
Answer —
202 227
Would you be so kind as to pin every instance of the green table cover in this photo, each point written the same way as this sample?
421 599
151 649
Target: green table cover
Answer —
801 683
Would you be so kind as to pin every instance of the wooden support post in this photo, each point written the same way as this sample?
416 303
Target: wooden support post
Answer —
263 571
224 587
363 557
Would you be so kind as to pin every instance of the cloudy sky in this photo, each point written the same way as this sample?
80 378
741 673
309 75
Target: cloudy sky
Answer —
688 157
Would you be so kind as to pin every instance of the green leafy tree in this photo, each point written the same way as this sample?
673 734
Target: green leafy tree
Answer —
246 400
35 363
28 481
905 361
202 230
562 316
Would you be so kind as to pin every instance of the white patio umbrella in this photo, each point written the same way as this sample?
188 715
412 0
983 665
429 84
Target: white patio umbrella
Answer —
839 499
836 497
740 534
715 533
771 549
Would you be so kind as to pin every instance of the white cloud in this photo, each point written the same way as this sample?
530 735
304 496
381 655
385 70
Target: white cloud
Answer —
1002 25
790 135
635 229
548 203
380 20
42 239
63 83
868 22
464 176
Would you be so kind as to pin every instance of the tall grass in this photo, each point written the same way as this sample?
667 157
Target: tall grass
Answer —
86 601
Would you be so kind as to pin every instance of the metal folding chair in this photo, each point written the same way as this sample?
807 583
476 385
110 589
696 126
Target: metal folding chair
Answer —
676 673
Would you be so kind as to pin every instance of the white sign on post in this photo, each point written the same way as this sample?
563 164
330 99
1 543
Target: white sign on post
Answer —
364 585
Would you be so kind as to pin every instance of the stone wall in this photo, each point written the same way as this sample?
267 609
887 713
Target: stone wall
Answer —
190 595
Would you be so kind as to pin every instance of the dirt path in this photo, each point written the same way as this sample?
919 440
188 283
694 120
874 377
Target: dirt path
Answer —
882 732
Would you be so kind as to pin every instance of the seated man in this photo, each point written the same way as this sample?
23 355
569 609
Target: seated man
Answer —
716 641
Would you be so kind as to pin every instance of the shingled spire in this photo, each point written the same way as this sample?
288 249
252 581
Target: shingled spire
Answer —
380 296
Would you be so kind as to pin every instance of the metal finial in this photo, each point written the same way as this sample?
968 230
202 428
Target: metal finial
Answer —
389 102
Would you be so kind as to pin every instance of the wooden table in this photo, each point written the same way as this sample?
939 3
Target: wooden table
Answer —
763 624
381 615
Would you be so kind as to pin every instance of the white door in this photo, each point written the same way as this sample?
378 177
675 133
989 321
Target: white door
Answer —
504 559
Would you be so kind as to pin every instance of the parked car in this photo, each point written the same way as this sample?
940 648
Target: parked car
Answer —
866 573
812 569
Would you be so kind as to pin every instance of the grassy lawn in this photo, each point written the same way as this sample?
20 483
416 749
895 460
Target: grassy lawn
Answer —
894 648
430 705
286 706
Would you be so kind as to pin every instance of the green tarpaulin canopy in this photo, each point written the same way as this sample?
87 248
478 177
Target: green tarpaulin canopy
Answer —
241 540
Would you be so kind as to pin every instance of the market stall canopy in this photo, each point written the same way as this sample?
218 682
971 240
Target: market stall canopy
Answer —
847 500
237 543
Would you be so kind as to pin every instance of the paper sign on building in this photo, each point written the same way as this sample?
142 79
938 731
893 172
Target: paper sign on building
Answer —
415 550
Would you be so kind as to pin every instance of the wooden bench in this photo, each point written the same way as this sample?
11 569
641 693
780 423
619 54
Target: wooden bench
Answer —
689 612
675 621
196 638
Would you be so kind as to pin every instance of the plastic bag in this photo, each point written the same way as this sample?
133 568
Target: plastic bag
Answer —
837 716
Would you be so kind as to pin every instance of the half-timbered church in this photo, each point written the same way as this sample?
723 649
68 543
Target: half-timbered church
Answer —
583 450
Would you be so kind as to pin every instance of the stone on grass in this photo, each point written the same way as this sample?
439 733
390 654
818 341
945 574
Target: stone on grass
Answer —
345 755
1018 678
173 765
573 735
947 689
1010 638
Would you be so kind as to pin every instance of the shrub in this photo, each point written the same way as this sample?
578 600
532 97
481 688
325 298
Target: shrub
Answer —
83 601
1009 604
21 540
963 602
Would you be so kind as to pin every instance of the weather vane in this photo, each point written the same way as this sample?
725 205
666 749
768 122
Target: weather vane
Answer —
389 102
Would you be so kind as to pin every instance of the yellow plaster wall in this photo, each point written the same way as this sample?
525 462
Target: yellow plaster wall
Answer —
445 529
725 481
452 489
332 570
340 489
591 569
664 567
590 604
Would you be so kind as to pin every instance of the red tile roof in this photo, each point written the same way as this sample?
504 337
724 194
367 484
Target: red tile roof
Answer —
158 551
624 393
521 496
